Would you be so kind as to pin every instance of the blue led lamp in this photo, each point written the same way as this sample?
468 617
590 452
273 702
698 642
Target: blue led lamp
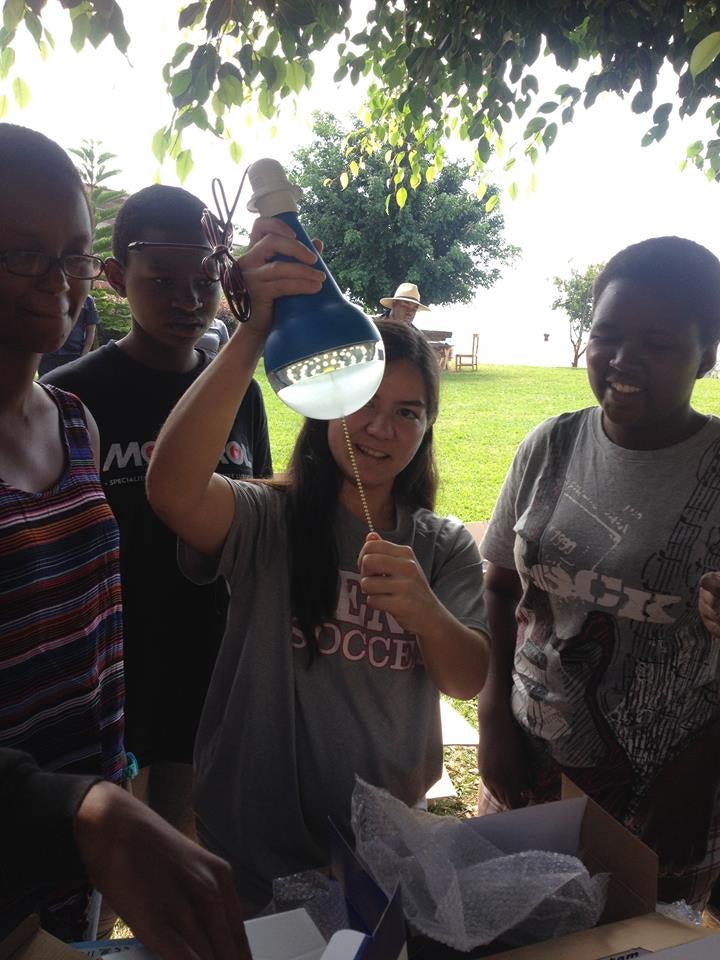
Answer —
323 357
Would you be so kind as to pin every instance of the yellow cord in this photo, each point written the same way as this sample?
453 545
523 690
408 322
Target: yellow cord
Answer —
363 498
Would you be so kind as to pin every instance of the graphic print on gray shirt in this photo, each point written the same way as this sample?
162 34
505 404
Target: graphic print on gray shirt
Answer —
613 667
279 742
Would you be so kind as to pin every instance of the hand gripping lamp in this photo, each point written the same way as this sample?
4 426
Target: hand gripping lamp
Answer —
323 357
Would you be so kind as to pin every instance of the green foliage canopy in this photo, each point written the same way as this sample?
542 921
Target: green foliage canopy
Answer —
442 238
436 67
104 202
575 299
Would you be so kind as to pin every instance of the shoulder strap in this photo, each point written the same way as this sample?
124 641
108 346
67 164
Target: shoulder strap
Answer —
560 446
74 425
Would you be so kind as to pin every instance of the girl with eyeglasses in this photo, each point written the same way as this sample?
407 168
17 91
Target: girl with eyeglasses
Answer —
61 656
61 669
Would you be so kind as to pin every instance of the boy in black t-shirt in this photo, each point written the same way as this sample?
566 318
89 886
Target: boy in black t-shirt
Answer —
172 627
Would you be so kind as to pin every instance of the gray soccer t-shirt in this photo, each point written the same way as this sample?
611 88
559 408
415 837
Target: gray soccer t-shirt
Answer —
613 666
279 742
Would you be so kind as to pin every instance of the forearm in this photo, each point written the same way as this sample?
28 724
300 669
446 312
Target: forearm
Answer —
500 610
38 840
193 438
456 656
89 340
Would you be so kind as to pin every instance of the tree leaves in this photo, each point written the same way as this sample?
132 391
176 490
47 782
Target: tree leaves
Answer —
190 15
575 300
104 202
21 92
440 237
295 76
183 165
160 144
13 11
705 54
265 103
34 26
535 126
435 73
7 59
549 134
80 31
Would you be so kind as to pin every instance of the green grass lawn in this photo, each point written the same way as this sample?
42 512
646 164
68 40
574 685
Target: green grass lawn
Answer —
483 418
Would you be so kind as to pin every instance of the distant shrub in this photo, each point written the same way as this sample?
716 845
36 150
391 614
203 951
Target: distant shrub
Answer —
113 313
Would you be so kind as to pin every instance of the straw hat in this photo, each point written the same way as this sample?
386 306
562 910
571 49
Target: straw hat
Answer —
407 292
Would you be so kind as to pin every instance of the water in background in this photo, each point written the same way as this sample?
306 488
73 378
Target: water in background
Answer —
510 333
512 319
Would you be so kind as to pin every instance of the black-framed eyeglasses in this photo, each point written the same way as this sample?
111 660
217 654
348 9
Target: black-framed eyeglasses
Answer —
219 233
32 263
209 264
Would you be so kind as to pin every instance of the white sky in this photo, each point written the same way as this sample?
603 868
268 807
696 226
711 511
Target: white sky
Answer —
597 189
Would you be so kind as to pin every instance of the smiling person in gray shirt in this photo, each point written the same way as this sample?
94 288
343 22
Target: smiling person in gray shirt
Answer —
338 643
609 517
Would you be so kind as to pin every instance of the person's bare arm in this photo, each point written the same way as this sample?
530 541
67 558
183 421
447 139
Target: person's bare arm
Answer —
94 434
176 897
502 755
709 602
90 331
182 487
456 656
678 806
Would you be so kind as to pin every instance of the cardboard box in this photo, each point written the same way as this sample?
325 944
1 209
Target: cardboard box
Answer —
648 935
576 825
629 929
29 942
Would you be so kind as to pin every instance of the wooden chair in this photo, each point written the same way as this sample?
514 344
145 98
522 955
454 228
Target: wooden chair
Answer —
468 359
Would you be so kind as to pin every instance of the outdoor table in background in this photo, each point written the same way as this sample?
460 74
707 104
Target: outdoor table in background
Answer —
441 342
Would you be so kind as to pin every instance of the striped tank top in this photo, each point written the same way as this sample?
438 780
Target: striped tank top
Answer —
61 659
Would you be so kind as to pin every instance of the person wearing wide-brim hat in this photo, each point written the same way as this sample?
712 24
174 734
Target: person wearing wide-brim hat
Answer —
404 303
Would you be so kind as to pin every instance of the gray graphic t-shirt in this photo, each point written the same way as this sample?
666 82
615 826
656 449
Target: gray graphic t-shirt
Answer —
613 667
279 742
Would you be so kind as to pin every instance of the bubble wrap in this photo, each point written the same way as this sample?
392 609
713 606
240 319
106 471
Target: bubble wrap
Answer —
318 894
681 910
463 891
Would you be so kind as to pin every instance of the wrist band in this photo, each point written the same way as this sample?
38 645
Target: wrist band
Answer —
132 769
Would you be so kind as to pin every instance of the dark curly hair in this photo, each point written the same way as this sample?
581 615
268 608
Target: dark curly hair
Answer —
170 209
672 268
34 155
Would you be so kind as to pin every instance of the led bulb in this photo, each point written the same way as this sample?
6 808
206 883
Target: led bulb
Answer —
330 385
323 357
